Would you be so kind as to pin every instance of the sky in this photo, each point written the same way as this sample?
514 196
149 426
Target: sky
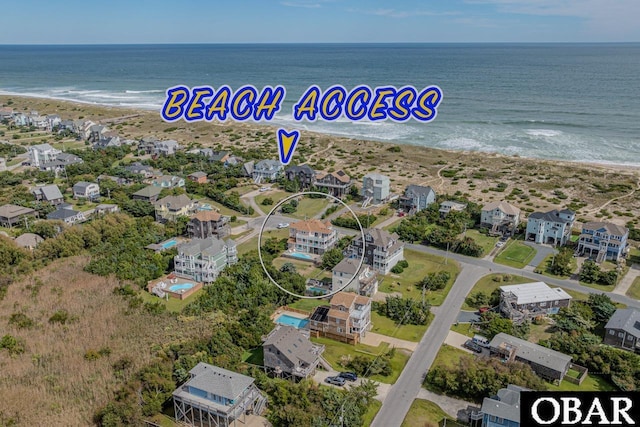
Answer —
309 21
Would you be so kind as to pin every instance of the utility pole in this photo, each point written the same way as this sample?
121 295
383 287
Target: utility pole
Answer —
447 255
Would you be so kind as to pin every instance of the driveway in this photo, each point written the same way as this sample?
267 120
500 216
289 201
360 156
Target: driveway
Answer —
468 316
541 253
457 340
319 377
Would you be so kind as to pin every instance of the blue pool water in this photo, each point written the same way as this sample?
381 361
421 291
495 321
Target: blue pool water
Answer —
285 319
300 256
180 287
205 207
168 244
319 290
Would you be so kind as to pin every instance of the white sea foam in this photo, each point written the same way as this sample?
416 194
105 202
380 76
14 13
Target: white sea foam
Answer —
547 133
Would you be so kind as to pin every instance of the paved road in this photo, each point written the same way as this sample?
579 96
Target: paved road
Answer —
405 390
627 280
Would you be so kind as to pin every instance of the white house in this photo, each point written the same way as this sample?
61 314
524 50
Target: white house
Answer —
86 190
42 153
375 188
553 227
500 217
165 148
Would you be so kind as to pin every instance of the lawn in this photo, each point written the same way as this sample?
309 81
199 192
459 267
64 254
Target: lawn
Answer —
276 196
420 264
373 409
306 269
335 350
448 356
423 411
591 383
382 218
544 266
222 209
634 290
487 285
515 254
255 356
307 304
309 208
173 305
539 332
385 326
487 242
243 190
464 329
253 243
598 287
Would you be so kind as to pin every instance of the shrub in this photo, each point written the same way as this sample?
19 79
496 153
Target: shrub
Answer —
21 321
404 263
60 316
267 202
11 344
397 269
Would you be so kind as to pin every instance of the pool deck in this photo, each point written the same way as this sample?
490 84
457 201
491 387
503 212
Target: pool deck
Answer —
171 279
298 315
302 256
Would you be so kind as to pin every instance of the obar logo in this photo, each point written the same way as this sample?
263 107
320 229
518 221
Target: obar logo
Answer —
579 409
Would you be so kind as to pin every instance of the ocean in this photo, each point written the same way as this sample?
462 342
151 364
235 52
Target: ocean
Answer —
575 102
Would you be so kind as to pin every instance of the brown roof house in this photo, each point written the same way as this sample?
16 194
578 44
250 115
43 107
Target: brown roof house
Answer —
289 353
171 207
336 184
208 223
28 240
312 236
346 319
198 177
500 217
11 215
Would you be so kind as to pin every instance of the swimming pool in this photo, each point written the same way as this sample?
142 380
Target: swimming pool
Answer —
205 207
317 290
181 287
168 244
300 255
285 319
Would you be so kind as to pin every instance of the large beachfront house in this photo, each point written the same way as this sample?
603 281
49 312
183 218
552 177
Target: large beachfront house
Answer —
375 188
266 170
203 259
529 300
416 198
165 148
42 153
365 282
553 227
623 329
208 223
289 353
603 240
346 319
304 175
312 236
383 250
216 397
337 184
86 190
171 207
546 363
500 217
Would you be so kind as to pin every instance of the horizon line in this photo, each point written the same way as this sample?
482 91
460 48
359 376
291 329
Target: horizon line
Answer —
320 43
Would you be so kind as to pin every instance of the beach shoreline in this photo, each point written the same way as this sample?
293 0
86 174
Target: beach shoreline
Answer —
531 183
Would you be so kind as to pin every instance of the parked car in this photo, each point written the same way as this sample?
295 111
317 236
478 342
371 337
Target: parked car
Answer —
483 309
499 244
339 381
283 225
263 189
504 238
349 376
472 346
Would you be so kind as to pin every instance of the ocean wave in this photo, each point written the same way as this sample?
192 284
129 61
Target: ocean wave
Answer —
144 91
547 133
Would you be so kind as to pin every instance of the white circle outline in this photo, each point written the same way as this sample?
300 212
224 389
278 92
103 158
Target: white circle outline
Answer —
281 202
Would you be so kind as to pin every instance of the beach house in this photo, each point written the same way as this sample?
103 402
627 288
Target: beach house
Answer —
553 227
526 301
42 153
266 170
303 174
382 250
169 208
289 353
28 240
603 241
546 363
60 163
375 188
168 181
416 198
500 218
208 223
86 190
216 397
137 168
450 205
501 410
198 177
346 319
623 329
11 215
365 280
336 183
149 194
67 214
48 193
312 236
165 148
202 260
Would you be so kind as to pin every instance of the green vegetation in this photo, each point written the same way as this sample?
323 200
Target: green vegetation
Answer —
487 243
515 254
424 413
561 266
634 290
404 310
173 305
465 329
255 356
339 354
275 197
309 207
420 265
591 383
385 326
252 244
374 407
348 221
490 283
592 275
308 304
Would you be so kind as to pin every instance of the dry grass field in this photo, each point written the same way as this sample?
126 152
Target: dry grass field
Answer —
55 382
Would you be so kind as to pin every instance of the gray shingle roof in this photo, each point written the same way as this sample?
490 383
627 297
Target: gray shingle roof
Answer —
611 228
175 202
533 352
292 345
348 265
305 169
62 214
49 192
268 165
208 246
218 381
149 191
81 186
418 190
381 237
552 216
625 319
28 240
505 405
